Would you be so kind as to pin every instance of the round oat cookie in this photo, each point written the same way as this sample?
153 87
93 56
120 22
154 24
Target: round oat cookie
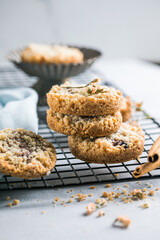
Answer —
89 100
24 154
126 109
125 145
57 54
84 126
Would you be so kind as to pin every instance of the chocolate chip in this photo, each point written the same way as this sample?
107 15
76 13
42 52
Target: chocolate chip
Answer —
120 143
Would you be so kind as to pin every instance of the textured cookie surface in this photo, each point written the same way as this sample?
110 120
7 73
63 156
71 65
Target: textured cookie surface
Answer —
24 154
58 54
122 146
84 126
90 100
126 109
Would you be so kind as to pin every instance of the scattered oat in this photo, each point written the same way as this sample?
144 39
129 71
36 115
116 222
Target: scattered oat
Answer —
151 193
92 187
101 213
108 185
16 202
9 205
8 198
90 208
90 195
122 222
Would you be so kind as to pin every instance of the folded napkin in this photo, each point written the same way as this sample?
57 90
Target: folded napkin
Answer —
18 109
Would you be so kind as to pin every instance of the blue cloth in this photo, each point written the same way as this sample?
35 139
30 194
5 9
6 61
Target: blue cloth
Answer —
18 109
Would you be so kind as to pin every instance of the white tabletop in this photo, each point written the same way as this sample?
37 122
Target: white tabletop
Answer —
25 221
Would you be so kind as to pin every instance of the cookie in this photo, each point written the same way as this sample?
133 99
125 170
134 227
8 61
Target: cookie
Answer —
57 54
124 145
126 109
84 126
24 154
89 100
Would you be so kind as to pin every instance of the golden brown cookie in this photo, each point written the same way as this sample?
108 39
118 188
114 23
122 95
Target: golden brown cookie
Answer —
126 109
124 145
84 126
58 54
90 100
24 154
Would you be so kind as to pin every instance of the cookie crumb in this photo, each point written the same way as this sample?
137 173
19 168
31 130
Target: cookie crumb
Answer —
151 193
108 185
92 187
122 222
8 198
16 202
126 185
144 190
73 196
81 197
116 174
9 205
56 199
101 213
90 208
138 194
145 205
70 200
90 195
43 212
157 189
105 194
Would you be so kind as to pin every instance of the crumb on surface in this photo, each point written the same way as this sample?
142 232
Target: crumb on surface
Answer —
16 202
138 194
92 187
145 205
9 204
43 212
122 221
56 199
144 190
70 200
151 193
108 185
157 189
126 185
101 213
90 208
90 195
81 197
116 174
105 194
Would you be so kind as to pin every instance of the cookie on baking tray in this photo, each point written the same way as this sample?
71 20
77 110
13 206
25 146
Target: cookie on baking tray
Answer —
84 126
57 54
24 154
89 100
124 145
126 109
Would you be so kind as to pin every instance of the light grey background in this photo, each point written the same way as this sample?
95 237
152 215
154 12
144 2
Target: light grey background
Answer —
120 28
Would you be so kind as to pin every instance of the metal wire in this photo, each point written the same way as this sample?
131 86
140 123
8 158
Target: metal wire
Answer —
69 170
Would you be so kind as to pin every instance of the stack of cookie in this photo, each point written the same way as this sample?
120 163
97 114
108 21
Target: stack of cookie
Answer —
91 117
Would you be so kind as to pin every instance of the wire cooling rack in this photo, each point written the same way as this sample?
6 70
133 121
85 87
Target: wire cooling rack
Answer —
68 169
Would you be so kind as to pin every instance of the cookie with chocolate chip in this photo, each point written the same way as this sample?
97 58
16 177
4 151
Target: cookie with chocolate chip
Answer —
84 126
24 154
89 100
124 145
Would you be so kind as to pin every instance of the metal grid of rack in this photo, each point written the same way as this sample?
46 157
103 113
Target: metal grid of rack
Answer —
72 171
